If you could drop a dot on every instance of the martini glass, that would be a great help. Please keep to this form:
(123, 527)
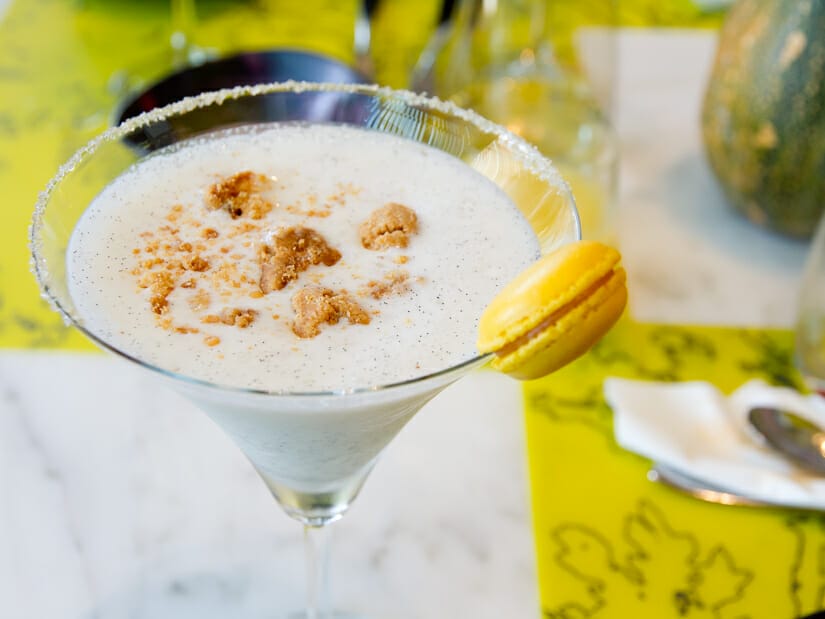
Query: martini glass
(314, 450)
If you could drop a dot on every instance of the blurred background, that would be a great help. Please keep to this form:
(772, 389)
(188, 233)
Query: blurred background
(68, 66)
(613, 91)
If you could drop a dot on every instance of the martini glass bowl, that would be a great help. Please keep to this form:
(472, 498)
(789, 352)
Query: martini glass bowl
(314, 450)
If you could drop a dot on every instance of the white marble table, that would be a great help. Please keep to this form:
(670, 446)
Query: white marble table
(119, 500)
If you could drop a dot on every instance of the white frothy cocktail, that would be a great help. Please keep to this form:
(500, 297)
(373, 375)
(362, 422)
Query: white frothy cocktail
(470, 240)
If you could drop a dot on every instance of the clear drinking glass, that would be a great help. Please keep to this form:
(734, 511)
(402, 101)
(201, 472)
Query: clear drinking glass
(313, 450)
(184, 50)
(181, 52)
(544, 69)
(810, 326)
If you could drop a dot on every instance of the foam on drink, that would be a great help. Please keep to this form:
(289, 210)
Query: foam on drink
(471, 240)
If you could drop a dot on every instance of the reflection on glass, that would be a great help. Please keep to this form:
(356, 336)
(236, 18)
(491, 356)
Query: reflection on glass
(506, 60)
(184, 50)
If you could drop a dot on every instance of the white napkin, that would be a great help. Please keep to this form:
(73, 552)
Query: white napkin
(694, 428)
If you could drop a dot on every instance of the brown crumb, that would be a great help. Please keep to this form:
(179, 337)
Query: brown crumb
(186, 330)
(239, 195)
(199, 301)
(195, 263)
(174, 213)
(211, 340)
(242, 229)
(162, 284)
(159, 304)
(311, 212)
(189, 283)
(232, 316)
(394, 283)
(389, 226)
(401, 259)
(293, 251)
(209, 233)
(237, 317)
(256, 294)
(315, 305)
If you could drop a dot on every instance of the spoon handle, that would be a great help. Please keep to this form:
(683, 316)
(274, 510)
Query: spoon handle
(791, 436)
(698, 489)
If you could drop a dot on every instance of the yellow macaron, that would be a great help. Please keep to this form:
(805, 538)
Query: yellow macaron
(555, 310)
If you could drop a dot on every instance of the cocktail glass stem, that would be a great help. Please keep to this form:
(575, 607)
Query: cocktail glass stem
(316, 549)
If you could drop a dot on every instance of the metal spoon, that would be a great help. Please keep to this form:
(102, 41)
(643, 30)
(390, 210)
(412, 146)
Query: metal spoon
(796, 438)
(663, 474)
(710, 493)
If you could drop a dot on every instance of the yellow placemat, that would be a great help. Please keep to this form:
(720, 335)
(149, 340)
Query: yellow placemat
(613, 545)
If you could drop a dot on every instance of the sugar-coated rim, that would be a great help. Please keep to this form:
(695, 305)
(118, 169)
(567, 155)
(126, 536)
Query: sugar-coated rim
(527, 154)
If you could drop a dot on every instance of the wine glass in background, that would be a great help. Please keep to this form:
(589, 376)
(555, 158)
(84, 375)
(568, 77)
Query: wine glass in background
(184, 50)
(203, 44)
(810, 326)
(179, 52)
(545, 70)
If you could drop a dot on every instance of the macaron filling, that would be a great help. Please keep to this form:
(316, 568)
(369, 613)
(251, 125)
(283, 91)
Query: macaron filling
(552, 318)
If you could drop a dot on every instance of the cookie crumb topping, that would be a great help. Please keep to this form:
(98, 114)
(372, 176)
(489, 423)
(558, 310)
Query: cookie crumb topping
(291, 252)
(213, 265)
(388, 226)
(316, 305)
(394, 283)
(240, 194)
(237, 317)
